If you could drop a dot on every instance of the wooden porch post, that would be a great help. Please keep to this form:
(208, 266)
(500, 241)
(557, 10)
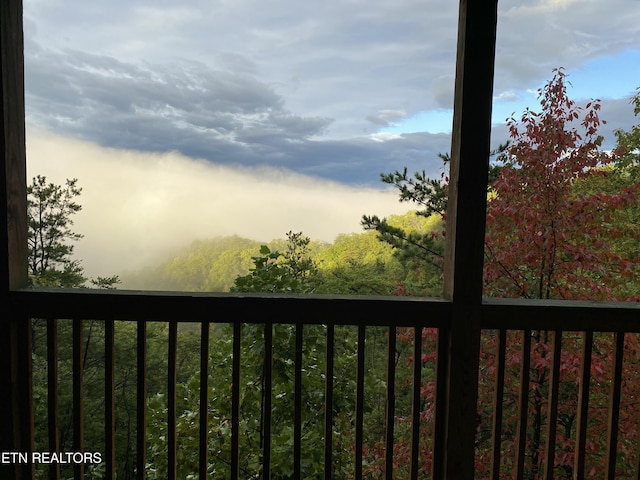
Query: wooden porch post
(466, 227)
(16, 425)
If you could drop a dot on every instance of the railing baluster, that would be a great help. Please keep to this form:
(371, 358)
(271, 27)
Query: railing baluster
(235, 403)
(78, 408)
(391, 398)
(415, 404)
(362, 330)
(614, 406)
(109, 403)
(521, 441)
(141, 400)
(498, 401)
(552, 417)
(204, 400)
(266, 393)
(637, 460)
(328, 404)
(171, 400)
(297, 403)
(439, 439)
(583, 405)
(52, 395)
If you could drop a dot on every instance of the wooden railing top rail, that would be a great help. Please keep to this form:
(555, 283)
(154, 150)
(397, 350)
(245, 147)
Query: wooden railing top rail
(561, 315)
(230, 308)
(325, 309)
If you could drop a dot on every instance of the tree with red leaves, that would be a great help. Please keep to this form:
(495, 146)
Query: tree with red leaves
(544, 238)
(550, 237)
(555, 232)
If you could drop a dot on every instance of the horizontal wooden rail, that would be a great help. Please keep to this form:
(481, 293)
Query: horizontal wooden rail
(195, 307)
(577, 316)
(322, 309)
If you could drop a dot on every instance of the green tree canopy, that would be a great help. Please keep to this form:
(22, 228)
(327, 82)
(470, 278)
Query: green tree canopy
(292, 271)
(50, 208)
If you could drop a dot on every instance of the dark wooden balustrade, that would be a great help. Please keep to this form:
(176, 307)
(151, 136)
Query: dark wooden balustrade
(507, 339)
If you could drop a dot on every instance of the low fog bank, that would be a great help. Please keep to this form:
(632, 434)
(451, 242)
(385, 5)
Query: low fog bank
(138, 207)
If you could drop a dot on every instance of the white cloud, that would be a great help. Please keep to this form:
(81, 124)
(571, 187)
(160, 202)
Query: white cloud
(508, 96)
(543, 7)
(385, 118)
(138, 205)
(384, 137)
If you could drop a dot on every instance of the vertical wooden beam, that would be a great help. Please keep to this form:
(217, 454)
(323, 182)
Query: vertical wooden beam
(16, 417)
(12, 146)
(466, 211)
(470, 150)
(16, 407)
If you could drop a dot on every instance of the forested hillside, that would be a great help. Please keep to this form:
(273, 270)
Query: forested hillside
(204, 265)
(355, 263)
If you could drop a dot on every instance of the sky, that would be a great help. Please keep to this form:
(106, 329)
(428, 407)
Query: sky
(184, 120)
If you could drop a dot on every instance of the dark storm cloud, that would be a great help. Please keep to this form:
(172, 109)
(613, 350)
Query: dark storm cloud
(89, 82)
(361, 161)
(343, 60)
(225, 117)
(302, 85)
